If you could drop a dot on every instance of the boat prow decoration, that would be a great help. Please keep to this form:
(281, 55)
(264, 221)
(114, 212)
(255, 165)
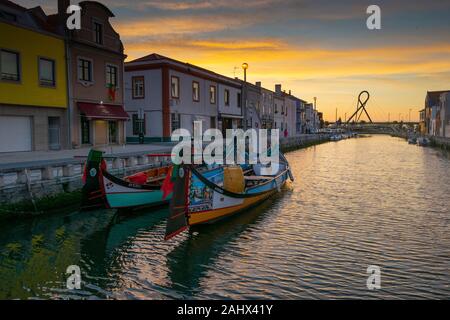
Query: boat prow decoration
(177, 220)
(102, 189)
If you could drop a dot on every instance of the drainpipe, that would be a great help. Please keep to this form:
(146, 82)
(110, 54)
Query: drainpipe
(69, 91)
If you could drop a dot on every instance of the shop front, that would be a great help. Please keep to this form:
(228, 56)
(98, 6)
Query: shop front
(102, 124)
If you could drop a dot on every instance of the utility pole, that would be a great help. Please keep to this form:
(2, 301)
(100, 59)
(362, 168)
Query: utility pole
(389, 117)
(410, 115)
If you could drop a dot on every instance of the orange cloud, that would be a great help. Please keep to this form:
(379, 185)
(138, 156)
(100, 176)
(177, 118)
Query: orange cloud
(397, 76)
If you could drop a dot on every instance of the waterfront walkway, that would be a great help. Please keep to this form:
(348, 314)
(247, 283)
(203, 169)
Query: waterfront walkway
(17, 160)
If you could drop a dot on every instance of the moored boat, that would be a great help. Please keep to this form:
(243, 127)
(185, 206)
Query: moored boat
(101, 189)
(412, 140)
(423, 141)
(200, 198)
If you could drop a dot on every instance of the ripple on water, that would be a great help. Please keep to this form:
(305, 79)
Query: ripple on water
(359, 202)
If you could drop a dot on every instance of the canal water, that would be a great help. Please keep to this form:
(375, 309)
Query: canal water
(373, 201)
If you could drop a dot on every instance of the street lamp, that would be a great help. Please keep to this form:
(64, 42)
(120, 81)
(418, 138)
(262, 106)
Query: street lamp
(244, 96)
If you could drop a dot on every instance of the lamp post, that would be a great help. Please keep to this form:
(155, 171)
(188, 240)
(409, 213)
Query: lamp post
(244, 95)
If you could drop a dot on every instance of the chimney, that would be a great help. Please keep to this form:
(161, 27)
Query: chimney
(278, 88)
(290, 93)
(62, 7)
(258, 83)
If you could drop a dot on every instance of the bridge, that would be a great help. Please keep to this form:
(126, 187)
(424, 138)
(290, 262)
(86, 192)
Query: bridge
(380, 127)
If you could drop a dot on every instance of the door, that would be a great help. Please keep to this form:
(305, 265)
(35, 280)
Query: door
(85, 130)
(15, 134)
(101, 132)
(54, 133)
(112, 132)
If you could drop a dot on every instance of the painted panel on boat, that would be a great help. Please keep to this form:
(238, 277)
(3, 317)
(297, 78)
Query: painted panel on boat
(111, 187)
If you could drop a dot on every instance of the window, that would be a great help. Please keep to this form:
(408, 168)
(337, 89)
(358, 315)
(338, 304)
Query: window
(175, 121)
(195, 91)
(138, 87)
(138, 125)
(175, 85)
(111, 76)
(9, 65)
(47, 72)
(239, 100)
(227, 97)
(212, 94)
(85, 70)
(98, 33)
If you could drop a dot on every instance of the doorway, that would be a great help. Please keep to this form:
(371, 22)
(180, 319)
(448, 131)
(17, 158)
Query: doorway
(112, 125)
(54, 133)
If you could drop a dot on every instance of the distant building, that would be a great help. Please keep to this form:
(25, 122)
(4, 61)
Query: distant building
(279, 109)
(290, 114)
(267, 111)
(422, 127)
(320, 122)
(433, 106)
(309, 118)
(167, 94)
(33, 82)
(254, 105)
(445, 114)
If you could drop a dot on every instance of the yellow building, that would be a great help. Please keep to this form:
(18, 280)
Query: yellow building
(33, 84)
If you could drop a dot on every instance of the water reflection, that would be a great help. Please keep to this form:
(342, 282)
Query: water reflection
(354, 203)
(191, 260)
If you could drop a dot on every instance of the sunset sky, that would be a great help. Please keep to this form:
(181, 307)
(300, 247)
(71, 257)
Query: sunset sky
(315, 48)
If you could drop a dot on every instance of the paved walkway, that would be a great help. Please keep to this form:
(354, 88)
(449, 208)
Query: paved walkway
(17, 160)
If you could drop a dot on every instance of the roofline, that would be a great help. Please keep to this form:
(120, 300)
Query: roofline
(175, 63)
(39, 30)
(111, 14)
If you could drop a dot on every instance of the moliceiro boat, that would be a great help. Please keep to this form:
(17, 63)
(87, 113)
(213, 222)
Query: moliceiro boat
(101, 189)
(206, 196)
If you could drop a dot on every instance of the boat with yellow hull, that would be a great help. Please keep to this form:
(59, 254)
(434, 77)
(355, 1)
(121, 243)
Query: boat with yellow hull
(205, 197)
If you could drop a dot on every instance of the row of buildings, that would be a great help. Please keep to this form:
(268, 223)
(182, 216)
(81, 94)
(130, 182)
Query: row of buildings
(62, 89)
(435, 117)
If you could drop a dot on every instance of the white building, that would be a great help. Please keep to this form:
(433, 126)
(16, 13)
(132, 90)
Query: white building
(445, 114)
(279, 110)
(290, 103)
(163, 94)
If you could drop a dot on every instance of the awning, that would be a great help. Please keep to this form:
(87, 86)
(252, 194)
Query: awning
(231, 116)
(103, 111)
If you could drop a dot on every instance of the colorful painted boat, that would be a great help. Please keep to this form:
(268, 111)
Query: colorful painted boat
(200, 198)
(104, 190)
